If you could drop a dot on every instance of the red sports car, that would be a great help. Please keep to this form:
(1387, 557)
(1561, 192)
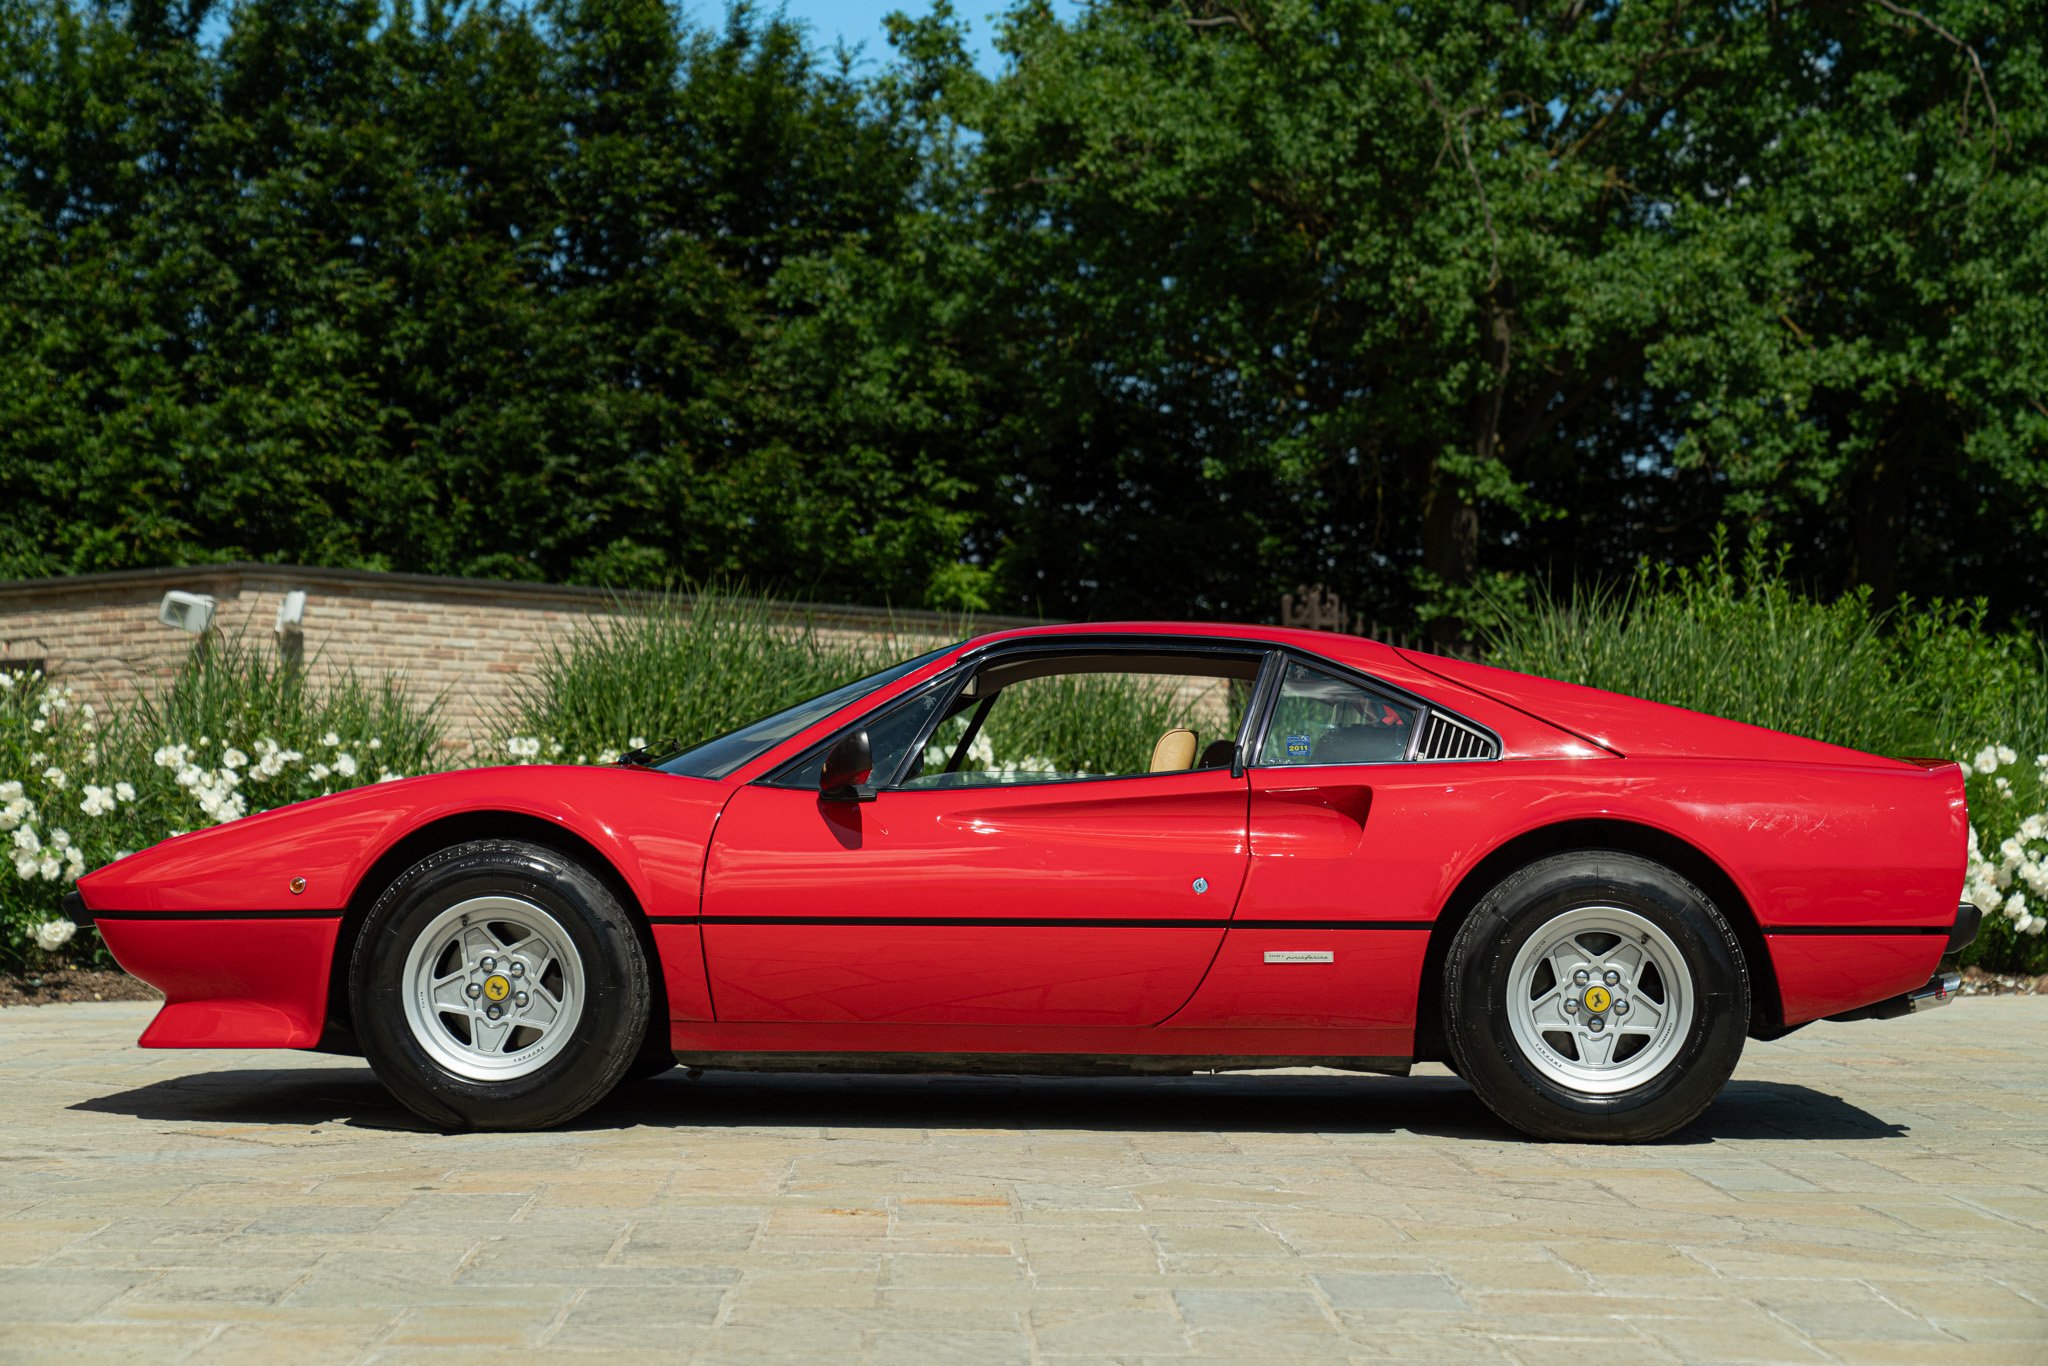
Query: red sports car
(1329, 852)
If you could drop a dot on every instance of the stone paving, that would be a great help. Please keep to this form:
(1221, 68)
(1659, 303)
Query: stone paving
(1868, 1192)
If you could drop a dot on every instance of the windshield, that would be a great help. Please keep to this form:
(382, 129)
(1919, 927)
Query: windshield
(729, 752)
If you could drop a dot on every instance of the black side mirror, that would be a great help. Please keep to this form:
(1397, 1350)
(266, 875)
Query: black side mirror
(847, 767)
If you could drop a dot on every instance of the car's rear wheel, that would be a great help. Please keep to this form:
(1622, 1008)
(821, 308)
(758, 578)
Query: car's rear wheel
(1596, 996)
(499, 985)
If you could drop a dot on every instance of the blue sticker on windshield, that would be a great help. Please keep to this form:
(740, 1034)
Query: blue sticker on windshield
(1298, 747)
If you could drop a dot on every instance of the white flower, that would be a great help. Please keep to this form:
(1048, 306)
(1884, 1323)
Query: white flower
(345, 765)
(60, 839)
(318, 773)
(10, 789)
(1987, 759)
(123, 792)
(2004, 786)
(637, 742)
(2032, 828)
(98, 800)
(25, 840)
(2006, 755)
(50, 868)
(39, 725)
(2016, 906)
(330, 739)
(375, 743)
(607, 756)
(233, 758)
(55, 776)
(52, 935)
(389, 777)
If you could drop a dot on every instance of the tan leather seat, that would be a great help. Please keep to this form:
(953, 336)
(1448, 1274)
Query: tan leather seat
(1175, 751)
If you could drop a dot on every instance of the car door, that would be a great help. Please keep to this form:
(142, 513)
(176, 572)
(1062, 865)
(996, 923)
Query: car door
(1329, 931)
(1094, 902)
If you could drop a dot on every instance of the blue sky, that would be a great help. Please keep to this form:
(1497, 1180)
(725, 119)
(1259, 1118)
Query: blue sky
(854, 22)
(860, 21)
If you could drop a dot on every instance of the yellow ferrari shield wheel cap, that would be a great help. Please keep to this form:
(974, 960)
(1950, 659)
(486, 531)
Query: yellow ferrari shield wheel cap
(498, 988)
(1597, 998)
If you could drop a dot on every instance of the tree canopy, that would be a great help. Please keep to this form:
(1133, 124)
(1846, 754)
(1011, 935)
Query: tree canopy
(1191, 302)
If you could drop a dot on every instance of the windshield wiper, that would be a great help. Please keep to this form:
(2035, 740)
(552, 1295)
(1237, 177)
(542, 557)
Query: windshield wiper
(647, 756)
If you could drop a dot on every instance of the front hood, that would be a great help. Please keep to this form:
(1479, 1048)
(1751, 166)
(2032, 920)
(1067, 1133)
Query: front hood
(259, 862)
(1632, 726)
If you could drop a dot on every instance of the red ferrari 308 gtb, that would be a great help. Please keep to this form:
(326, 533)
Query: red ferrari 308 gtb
(1336, 853)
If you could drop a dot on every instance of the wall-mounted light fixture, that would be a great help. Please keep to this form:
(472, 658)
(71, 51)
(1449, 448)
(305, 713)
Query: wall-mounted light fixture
(187, 611)
(291, 613)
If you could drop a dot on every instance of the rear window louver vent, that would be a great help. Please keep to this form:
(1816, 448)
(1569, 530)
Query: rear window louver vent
(1445, 738)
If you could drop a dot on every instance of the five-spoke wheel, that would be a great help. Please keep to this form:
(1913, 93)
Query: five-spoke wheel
(494, 988)
(1595, 996)
(1600, 999)
(499, 985)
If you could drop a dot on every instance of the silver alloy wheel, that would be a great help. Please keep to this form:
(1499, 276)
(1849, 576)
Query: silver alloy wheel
(1600, 1000)
(493, 988)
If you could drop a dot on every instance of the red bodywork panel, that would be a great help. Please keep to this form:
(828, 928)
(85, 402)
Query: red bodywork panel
(1064, 917)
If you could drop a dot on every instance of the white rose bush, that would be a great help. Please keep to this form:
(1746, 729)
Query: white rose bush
(236, 731)
(2008, 865)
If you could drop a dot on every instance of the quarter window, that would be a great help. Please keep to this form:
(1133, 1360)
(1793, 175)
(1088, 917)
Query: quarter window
(1320, 718)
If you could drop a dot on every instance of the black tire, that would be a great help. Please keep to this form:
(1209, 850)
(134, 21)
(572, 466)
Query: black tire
(607, 1036)
(1475, 999)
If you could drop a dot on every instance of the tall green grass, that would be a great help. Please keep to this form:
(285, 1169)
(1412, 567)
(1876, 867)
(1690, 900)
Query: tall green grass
(1083, 723)
(1734, 637)
(682, 669)
(688, 669)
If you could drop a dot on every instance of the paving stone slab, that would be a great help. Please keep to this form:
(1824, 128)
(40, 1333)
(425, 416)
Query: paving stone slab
(1868, 1192)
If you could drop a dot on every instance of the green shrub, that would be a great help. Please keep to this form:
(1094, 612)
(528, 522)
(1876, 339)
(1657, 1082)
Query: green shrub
(676, 671)
(1080, 723)
(235, 730)
(1738, 640)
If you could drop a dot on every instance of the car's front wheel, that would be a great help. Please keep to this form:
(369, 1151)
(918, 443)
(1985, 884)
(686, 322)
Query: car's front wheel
(1596, 996)
(499, 985)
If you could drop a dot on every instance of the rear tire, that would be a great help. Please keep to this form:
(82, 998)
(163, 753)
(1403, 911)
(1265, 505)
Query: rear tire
(1596, 997)
(499, 985)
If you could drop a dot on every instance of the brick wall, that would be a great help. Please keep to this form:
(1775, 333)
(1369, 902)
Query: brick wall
(466, 641)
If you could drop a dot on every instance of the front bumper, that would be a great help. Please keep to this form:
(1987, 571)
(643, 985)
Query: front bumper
(1941, 988)
(229, 979)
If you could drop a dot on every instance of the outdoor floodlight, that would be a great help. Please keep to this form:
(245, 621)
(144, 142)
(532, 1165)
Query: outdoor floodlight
(291, 613)
(187, 611)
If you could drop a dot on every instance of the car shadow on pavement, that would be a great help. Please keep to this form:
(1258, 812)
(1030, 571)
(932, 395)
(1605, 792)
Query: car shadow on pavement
(1437, 1106)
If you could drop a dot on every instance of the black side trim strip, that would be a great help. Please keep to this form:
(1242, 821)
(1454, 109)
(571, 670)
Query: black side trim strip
(293, 914)
(1024, 1064)
(1857, 929)
(1039, 922)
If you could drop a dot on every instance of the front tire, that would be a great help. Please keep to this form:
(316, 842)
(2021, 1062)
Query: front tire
(1596, 997)
(499, 985)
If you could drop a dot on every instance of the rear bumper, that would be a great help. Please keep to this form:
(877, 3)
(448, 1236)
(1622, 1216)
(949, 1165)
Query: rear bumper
(1940, 989)
(229, 981)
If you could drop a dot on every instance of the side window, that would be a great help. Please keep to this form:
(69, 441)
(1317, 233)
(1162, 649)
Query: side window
(890, 737)
(1322, 719)
(1090, 722)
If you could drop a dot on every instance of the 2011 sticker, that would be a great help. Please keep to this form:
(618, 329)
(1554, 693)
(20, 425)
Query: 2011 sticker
(1299, 746)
